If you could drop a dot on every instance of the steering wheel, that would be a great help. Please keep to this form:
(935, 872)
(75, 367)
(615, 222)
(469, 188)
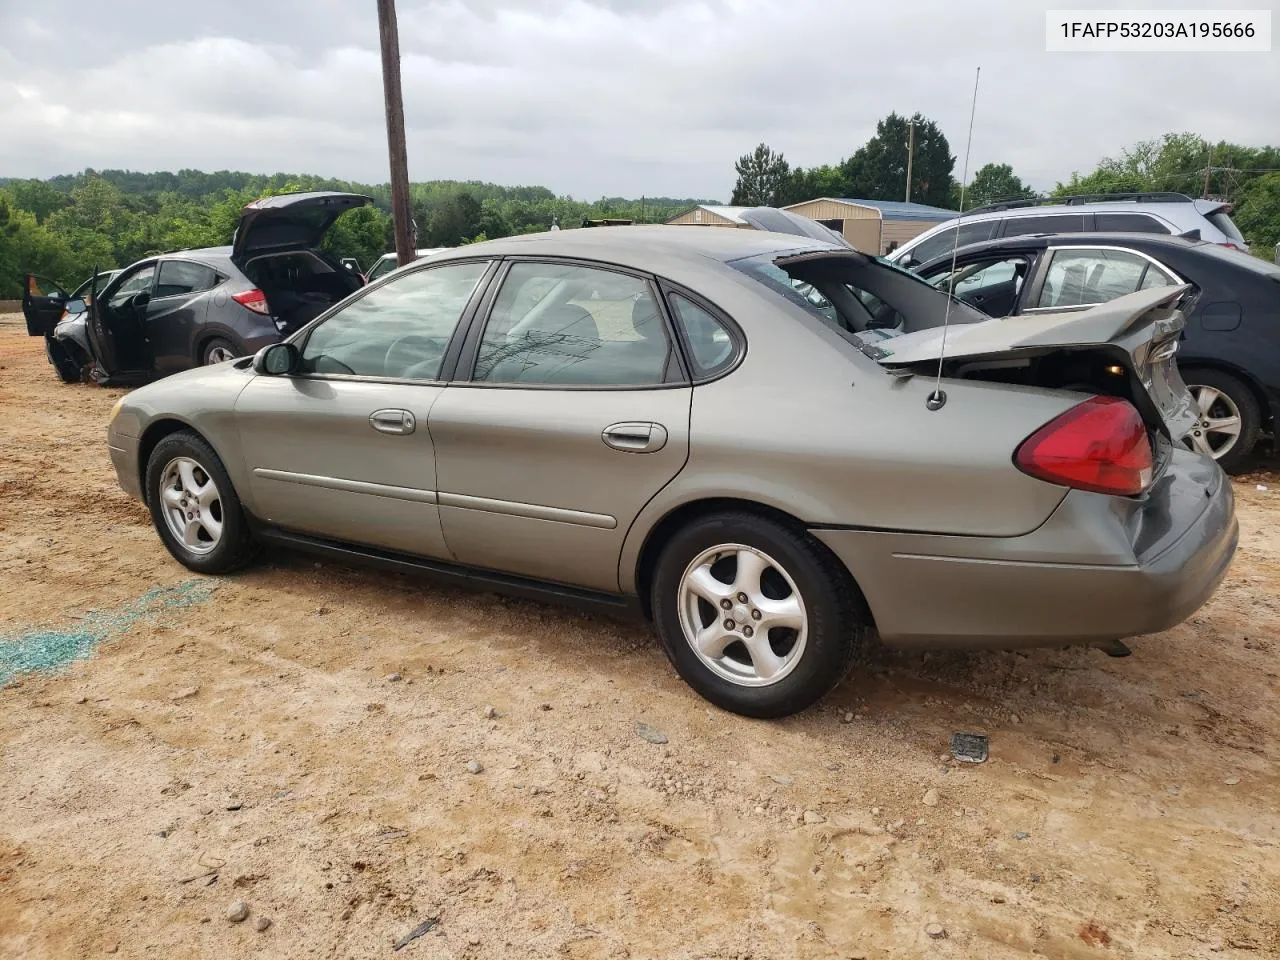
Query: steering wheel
(419, 349)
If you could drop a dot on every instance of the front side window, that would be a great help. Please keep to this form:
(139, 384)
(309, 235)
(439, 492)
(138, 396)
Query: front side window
(137, 282)
(397, 331)
(383, 266)
(570, 325)
(1083, 277)
(182, 278)
(940, 243)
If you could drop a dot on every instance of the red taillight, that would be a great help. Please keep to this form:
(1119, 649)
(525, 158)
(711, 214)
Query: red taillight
(254, 300)
(1230, 246)
(1099, 445)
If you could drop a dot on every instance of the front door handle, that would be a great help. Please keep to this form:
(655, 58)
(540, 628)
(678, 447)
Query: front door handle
(635, 436)
(397, 422)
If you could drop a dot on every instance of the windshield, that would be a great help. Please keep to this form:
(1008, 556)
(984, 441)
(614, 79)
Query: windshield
(860, 298)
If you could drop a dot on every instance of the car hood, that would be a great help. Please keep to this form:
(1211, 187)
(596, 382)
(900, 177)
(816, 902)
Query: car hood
(290, 221)
(1143, 329)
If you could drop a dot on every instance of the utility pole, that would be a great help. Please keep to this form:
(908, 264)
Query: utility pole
(911, 149)
(401, 215)
(1208, 169)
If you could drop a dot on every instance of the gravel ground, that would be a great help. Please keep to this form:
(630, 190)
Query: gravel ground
(342, 756)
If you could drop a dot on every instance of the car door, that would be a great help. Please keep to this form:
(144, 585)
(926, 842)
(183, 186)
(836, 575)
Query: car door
(117, 321)
(570, 412)
(176, 311)
(42, 304)
(1079, 277)
(341, 449)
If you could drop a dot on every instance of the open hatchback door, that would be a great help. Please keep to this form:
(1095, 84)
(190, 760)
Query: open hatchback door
(290, 221)
(1126, 347)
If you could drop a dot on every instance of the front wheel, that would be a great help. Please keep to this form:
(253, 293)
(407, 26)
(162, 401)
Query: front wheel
(194, 507)
(1227, 417)
(756, 616)
(64, 362)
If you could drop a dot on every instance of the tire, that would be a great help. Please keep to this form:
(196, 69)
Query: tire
(64, 362)
(217, 350)
(1227, 398)
(801, 666)
(203, 549)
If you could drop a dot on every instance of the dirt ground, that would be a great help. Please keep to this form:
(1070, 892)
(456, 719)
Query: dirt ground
(298, 737)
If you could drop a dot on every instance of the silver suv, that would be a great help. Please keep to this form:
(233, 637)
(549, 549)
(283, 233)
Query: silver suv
(1168, 213)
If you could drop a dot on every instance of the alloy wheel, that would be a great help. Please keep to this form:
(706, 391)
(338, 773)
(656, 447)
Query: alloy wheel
(1218, 422)
(191, 505)
(742, 615)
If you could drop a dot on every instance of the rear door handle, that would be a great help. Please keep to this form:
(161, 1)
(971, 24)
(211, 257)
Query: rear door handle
(397, 422)
(635, 436)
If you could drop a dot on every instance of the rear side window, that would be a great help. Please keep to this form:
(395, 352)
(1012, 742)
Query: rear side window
(568, 325)
(940, 243)
(1081, 277)
(182, 278)
(710, 342)
(1128, 223)
(1056, 223)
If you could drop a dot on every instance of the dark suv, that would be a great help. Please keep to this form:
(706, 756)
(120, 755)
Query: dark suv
(1229, 354)
(171, 312)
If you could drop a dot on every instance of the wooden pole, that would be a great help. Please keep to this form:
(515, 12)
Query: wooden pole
(401, 215)
(911, 149)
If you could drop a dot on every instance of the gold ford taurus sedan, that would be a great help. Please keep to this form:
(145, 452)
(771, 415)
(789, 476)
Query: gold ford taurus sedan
(770, 445)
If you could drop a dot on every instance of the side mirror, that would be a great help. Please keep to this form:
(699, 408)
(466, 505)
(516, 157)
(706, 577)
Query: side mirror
(277, 360)
(909, 262)
(141, 299)
(74, 307)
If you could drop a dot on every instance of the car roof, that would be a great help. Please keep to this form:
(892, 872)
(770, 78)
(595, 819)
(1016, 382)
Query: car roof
(1038, 241)
(643, 246)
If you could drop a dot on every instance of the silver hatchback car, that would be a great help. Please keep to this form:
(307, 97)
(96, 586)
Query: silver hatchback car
(737, 433)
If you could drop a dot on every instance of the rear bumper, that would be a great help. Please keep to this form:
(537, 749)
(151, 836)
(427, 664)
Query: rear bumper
(1101, 568)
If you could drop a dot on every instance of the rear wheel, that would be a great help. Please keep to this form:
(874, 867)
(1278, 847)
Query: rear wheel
(756, 616)
(218, 350)
(64, 362)
(194, 506)
(1228, 419)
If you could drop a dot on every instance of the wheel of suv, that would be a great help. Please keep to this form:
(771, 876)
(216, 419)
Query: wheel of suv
(64, 363)
(194, 506)
(217, 350)
(1229, 419)
(756, 616)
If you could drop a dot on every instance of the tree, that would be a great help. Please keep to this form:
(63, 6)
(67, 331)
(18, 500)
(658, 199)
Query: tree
(454, 222)
(995, 182)
(1258, 214)
(822, 181)
(762, 178)
(878, 170)
(363, 233)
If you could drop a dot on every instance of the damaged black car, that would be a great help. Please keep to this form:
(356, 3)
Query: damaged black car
(179, 310)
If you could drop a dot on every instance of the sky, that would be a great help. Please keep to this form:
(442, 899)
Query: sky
(588, 97)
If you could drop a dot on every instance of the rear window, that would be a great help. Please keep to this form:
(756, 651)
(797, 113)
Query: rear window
(1221, 220)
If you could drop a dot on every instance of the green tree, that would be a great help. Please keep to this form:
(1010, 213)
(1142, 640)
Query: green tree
(36, 196)
(995, 182)
(453, 222)
(363, 233)
(820, 181)
(762, 178)
(878, 170)
(1258, 214)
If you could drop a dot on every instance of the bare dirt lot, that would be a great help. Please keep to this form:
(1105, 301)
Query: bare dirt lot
(298, 737)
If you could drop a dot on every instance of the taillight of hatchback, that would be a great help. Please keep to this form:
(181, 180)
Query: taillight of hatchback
(1099, 445)
(254, 300)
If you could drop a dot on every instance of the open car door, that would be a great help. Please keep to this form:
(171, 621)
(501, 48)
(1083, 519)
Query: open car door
(42, 304)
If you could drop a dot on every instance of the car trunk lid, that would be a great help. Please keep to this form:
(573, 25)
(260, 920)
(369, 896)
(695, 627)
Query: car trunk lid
(290, 221)
(1137, 333)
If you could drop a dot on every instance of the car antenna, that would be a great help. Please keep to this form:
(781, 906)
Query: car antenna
(938, 398)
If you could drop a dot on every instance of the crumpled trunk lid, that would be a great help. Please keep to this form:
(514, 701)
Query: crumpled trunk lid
(1138, 332)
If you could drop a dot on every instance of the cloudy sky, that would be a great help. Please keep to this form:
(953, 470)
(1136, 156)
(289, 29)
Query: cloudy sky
(588, 97)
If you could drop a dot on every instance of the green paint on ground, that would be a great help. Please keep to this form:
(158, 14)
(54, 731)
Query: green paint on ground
(48, 649)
